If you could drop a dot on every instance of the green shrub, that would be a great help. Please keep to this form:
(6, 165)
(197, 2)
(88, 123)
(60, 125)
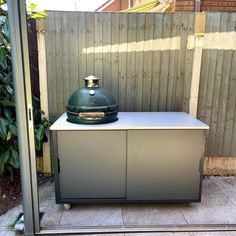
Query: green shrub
(9, 157)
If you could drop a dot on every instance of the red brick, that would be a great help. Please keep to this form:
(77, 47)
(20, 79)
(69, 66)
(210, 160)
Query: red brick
(184, 8)
(205, 8)
(231, 9)
(224, 4)
(217, 9)
(184, 3)
(208, 3)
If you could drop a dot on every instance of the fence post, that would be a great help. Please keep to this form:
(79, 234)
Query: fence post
(199, 31)
(40, 26)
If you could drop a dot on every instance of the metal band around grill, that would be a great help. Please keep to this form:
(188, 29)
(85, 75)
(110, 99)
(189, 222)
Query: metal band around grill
(91, 114)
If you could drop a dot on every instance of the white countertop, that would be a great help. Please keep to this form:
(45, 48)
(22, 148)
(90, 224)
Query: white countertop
(137, 120)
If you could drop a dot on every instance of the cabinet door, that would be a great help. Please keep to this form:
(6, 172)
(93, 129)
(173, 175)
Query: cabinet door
(92, 164)
(164, 164)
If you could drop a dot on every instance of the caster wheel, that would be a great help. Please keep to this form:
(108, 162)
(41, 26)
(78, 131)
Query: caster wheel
(66, 206)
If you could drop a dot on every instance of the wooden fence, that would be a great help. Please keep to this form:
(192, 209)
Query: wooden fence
(217, 94)
(146, 60)
(142, 58)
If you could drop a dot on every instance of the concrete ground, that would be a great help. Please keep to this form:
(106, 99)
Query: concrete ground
(218, 206)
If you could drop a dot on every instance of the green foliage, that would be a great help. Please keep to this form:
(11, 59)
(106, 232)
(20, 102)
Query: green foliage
(34, 13)
(9, 156)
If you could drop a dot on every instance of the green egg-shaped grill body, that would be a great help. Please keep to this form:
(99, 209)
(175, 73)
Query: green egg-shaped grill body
(92, 104)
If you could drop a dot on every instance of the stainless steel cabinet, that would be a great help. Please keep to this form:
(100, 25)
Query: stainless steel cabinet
(141, 157)
(91, 164)
(164, 165)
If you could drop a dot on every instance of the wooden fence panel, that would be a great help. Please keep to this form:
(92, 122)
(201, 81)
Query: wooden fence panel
(217, 95)
(145, 60)
(135, 54)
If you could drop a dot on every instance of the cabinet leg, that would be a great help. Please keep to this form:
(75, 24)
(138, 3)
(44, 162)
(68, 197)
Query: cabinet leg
(66, 206)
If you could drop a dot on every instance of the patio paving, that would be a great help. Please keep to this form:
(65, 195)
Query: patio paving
(218, 206)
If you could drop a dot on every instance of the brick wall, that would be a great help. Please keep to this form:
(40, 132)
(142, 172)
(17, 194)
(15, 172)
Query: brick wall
(220, 5)
(206, 5)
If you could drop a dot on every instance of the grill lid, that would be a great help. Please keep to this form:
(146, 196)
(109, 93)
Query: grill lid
(92, 104)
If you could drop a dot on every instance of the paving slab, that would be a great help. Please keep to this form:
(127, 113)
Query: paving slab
(209, 187)
(52, 213)
(46, 191)
(92, 215)
(232, 198)
(152, 214)
(225, 184)
(213, 209)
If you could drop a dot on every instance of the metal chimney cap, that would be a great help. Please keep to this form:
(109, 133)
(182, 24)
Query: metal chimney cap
(92, 77)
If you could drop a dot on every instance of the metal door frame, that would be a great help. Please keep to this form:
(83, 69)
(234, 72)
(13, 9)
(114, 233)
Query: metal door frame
(24, 112)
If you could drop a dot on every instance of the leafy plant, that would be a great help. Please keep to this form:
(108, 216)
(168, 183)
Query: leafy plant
(9, 157)
(33, 13)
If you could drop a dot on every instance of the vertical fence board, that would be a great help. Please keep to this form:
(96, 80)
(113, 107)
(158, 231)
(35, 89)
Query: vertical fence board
(59, 80)
(65, 58)
(205, 74)
(82, 48)
(115, 55)
(156, 62)
(230, 111)
(51, 70)
(73, 48)
(173, 60)
(123, 62)
(211, 76)
(147, 63)
(181, 63)
(139, 61)
(98, 45)
(90, 43)
(188, 66)
(131, 69)
(106, 56)
(165, 54)
(232, 106)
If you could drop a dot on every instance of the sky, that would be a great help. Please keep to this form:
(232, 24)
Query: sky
(68, 5)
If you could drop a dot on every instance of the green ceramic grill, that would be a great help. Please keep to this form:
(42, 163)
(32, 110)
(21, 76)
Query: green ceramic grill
(92, 104)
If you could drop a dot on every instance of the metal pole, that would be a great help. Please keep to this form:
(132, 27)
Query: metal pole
(24, 114)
